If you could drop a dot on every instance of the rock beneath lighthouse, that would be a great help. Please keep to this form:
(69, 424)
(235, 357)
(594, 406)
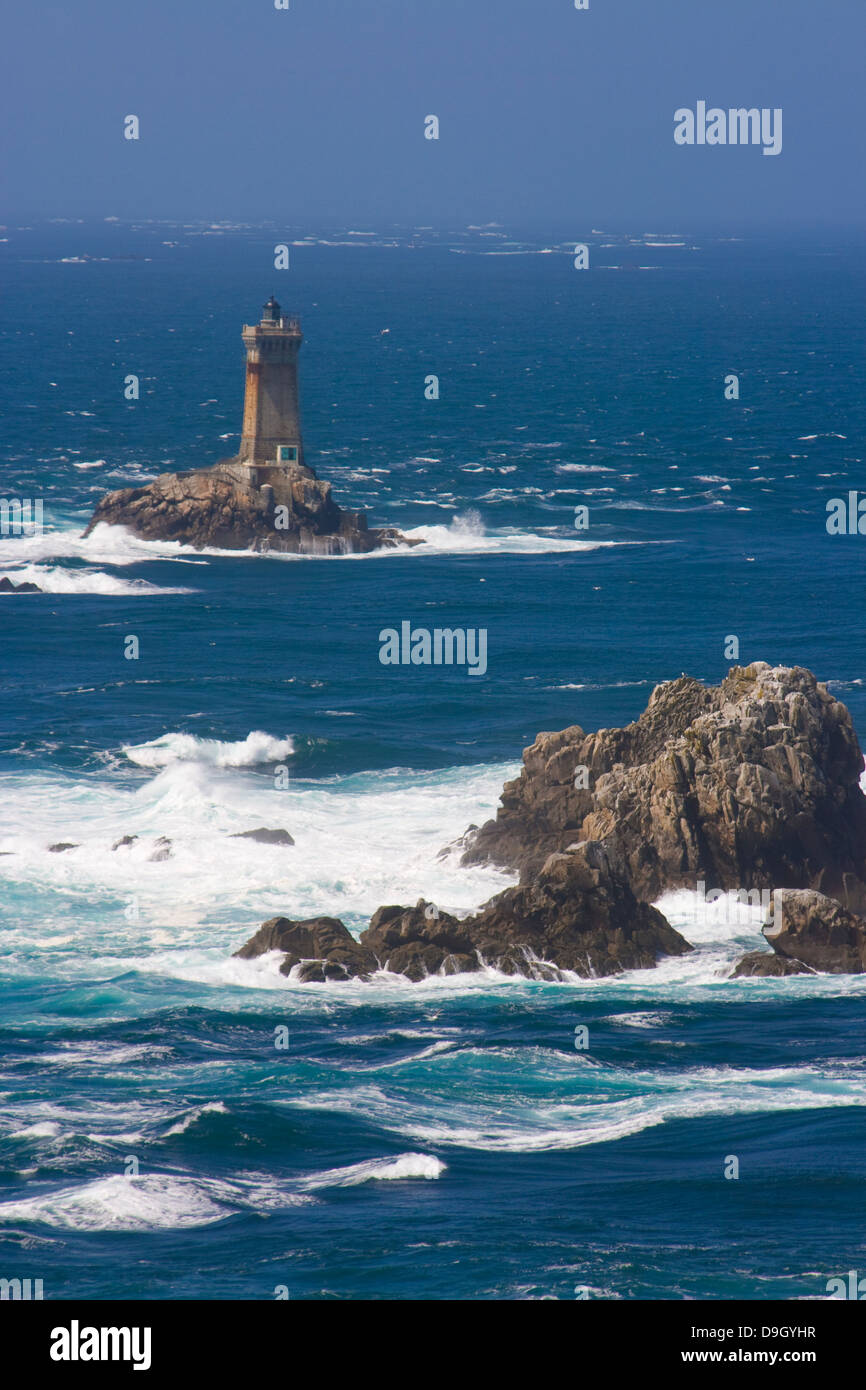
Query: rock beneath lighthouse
(234, 507)
(266, 498)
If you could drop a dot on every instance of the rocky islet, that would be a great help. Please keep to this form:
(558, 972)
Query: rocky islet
(753, 786)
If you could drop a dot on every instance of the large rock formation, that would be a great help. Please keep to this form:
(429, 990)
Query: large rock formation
(750, 784)
(578, 915)
(235, 506)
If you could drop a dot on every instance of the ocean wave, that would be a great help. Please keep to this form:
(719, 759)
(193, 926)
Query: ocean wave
(106, 545)
(251, 751)
(409, 1165)
(57, 580)
(609, 685)
(102, 1054)
(455, 539)
(583, 468)
(641, 1019)
(43, 1129)
(154, 1202)
(115, 545)
(212, 1108)
(529, 1100)
(635, 506)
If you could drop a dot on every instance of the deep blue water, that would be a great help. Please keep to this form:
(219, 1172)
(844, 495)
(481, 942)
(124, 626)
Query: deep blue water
(445, 1139)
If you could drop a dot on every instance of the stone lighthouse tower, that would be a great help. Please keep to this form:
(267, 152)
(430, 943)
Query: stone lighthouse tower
(272, 427)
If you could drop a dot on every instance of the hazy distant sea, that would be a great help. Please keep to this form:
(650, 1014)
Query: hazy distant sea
(444, 1139)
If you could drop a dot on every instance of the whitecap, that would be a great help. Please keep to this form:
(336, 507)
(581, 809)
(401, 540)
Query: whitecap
(57, 580)
(213, 1108)
(408, 1165)
(256, 748)
(118, 1203)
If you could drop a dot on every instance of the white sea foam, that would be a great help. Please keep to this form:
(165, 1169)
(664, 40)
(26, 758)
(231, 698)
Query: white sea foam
(359, 841)
(462, 539)
(589, 685)
(467, 1105)
(114, 545)
(213, 1108)
(409, 1165)
(45, 1129)
(256, 748)
(153, 1202)
(56, 579)
(583, 468)
(118, 1203)
(107, 545)
(641, 1019)
(102, 1054)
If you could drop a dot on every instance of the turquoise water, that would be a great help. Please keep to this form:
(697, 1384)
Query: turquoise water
(443, 1139)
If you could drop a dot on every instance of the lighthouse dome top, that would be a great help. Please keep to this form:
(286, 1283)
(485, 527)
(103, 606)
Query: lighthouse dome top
(271, 312)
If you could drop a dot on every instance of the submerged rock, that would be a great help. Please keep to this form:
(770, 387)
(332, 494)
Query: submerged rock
(766, 963)
(463, 842)
(62, 846)
(264, 837)
(161, 850)
(235, 506)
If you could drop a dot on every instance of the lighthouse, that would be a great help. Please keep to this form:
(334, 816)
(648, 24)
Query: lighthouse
(272, 428)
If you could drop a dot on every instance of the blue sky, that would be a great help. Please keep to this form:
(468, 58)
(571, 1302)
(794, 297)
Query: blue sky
(550, 117)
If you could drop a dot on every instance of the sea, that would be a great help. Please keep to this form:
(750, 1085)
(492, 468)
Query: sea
(177, 1123)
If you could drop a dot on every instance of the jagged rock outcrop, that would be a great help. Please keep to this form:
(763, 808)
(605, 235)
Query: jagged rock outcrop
(321, 947)
(419, 941)
(750, 784)
(813, 932)
(235, 507)
(753, 784)
(578, 915)
(8, 586)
